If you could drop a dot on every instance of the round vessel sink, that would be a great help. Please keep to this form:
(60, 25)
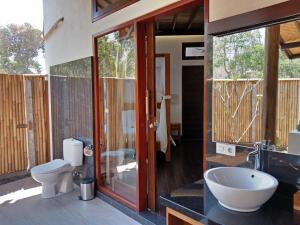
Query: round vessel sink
(240, 189)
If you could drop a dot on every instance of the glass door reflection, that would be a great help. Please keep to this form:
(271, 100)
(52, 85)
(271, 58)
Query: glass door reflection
(117, 87)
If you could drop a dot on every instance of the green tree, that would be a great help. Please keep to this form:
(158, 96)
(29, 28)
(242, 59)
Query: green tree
(116, 55)
(288, 68)
(239, 55)
(19, 48)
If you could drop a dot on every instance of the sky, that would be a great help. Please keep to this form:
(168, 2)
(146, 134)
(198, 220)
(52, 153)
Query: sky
(21, 11)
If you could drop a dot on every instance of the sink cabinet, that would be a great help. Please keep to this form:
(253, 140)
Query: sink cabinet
(177, 218)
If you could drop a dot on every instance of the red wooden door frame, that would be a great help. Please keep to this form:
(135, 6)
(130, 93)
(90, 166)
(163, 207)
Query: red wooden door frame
(141, 154)
(141, 138)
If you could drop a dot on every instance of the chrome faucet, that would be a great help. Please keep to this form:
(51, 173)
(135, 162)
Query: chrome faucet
(258, 146)
(257, 154)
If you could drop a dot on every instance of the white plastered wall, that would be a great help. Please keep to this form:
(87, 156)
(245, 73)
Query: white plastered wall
(173, 46)
(73, 38)
(220, 9)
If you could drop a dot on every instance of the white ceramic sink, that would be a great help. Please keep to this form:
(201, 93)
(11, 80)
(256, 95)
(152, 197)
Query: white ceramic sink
(240, 189)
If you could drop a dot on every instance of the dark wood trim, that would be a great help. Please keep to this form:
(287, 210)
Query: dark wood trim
(179, 32)
(141, 121)
(191, 44)
(287, 51)
(46, 114)
(270, 83)
(296, 56)
(206, 78)
(149, 16)
(275, 14)
(174, 21)
(192, 18)
(295, 44)
(151, 98)
(97, 15)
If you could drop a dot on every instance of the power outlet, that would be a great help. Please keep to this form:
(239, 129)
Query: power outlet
(225, 149)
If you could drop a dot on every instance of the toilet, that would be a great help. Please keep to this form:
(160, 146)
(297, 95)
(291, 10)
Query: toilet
(56, 176)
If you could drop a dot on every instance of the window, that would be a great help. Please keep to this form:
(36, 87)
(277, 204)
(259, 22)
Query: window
(238, 65)
(193, 50)
(102, 8)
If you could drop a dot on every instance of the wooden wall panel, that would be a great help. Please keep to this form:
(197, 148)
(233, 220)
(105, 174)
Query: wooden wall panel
(71, 102)
(13, 143)
(71, 105)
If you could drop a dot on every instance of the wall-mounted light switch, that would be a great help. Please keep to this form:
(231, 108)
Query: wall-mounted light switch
(225, 149)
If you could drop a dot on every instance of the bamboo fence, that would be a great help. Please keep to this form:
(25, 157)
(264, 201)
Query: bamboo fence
(23, 122)
(245, 126)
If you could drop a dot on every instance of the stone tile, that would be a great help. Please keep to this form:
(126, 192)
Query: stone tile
(62, 210)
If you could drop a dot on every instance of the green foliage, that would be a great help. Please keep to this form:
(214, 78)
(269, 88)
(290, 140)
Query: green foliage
(19, 47)
(116, 55)
(288, 68)
(241, 55)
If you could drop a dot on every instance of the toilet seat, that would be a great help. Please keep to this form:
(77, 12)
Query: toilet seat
(57, 165)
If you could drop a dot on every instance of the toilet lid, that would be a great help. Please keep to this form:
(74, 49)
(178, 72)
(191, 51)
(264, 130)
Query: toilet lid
(50, 167)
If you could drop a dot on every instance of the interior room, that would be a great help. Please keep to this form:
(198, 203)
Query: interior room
(179, 77)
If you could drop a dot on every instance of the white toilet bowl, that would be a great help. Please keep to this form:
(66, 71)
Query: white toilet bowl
(55, 177)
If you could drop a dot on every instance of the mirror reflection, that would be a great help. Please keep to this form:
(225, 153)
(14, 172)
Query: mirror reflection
(239, 81)
(117, 107)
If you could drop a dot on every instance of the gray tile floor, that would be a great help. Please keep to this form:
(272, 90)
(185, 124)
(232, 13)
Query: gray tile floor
(62, 210)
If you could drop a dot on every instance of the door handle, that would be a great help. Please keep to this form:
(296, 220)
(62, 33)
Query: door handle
(154, 124)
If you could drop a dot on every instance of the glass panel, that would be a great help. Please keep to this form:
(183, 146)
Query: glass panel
(118, 110)
(238, 63)
(288, 94)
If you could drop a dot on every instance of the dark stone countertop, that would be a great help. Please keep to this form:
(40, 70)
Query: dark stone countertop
(196, 201)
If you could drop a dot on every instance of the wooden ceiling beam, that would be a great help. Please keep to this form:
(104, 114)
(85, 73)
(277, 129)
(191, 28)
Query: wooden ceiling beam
(286, 51)
(297, 56)
(192, 18)
(295, 44)
(298, 25)
(174, 21)
(157, 25)
(171, 32)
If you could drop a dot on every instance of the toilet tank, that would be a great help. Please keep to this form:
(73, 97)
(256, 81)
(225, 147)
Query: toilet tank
(73, 151)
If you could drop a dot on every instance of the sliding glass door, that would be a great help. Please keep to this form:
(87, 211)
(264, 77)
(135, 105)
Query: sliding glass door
(117, 112)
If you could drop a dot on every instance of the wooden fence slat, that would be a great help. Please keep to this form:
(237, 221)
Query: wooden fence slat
(13, 138)
(223, 126)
